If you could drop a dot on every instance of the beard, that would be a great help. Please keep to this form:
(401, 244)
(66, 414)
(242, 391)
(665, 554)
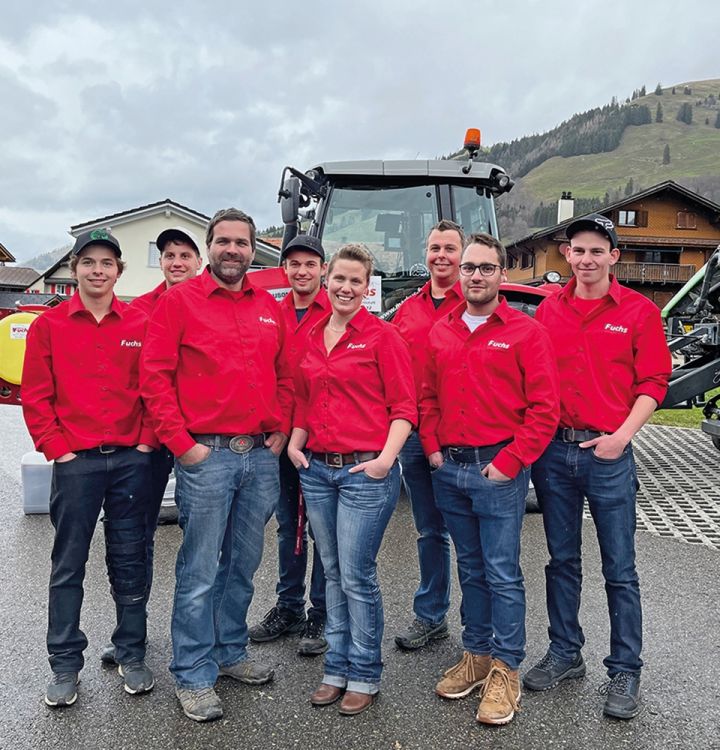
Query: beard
(226, 272)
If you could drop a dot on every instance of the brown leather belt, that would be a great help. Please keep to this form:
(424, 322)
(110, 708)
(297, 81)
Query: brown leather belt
(338, 460)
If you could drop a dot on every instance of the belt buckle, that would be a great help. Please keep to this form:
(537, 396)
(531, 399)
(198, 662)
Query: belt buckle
(106, 452)
(334, 460)
(569, 435)
(241, 444)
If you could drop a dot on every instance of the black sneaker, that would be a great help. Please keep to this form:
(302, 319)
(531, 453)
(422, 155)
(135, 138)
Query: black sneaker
(420, 633)
(623, 695)
(62, 689)
(278, 621)
(107, 655)
(312, 641)
(551, 670)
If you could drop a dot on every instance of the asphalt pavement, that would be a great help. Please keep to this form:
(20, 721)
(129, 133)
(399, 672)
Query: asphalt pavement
(681, 690)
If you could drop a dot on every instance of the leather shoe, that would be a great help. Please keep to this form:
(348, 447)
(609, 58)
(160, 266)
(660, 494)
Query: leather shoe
(355, 703)
(326, 694)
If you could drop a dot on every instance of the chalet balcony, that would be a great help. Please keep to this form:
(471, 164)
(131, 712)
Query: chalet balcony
(653, 273)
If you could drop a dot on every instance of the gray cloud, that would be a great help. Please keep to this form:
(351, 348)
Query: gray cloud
(107, 107)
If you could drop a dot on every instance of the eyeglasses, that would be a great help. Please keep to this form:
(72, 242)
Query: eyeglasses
(486, 269)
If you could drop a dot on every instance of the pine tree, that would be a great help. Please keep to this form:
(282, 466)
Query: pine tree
(717, 120)
(643, 91)
(658, 90)
(666, 154)
(629, 187)
(685, 113)
(673, 90)
(659, 113)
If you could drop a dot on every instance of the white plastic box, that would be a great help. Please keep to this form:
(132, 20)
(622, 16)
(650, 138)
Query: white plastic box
(36, 475)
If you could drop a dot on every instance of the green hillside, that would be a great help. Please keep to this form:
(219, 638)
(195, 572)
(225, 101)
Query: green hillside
(694, 151)
(694, 158)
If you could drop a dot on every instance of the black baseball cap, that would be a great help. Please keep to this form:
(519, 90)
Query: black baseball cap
(176, 233)
(96, 237)
(303, 242)
(593, 223)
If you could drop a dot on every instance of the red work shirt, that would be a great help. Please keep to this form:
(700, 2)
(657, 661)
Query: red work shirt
(80, 379)
(213, 363)
(606, 358)
(495, 384)
(297, 333)
(346, 399)
(414, 319)
(146, 302)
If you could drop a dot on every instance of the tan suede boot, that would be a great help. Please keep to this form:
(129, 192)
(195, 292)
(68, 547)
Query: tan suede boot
(500, 696)
(460, 680)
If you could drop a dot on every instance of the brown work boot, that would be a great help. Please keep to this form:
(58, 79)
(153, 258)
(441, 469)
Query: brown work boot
(500, 696)
(470, 672)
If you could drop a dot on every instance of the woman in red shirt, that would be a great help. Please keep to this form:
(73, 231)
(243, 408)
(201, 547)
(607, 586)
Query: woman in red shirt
(355, 407)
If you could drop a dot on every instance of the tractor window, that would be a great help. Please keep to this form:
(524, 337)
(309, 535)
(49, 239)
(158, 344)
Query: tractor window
(391, 222)
(473, 210)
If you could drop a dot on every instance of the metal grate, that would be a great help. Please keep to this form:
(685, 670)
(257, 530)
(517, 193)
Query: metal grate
(679, 493)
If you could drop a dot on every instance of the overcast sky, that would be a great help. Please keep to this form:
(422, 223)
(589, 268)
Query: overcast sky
(108, 106)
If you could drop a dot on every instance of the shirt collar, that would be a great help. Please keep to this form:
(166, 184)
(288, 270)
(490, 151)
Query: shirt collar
(209, 285)
(75, 305)
(615, 291)
(502, 311)
(320, 300)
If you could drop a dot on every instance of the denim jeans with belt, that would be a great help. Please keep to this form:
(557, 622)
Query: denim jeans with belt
(432, 598)
(290, 587)
(224, 503)
(349, 514)
(485, 518)
(565, 476)
(118, 483)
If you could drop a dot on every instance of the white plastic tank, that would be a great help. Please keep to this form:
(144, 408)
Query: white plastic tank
(36, 475)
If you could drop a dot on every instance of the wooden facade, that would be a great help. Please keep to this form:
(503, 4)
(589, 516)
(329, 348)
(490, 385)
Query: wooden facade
(665, 234)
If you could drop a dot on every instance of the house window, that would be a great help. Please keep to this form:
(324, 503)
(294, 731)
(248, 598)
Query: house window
(65, 290)
(526, 260)
(511, 261)
(153, 256)
(627, 218)
(634, 218)
(686, 220)
(657, 256)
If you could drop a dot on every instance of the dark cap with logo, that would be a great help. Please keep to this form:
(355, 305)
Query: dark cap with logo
(593, 223)
(303, 242)
(176, 233)
(96, 237)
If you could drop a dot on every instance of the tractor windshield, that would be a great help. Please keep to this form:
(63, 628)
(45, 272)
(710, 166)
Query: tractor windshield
(394, 222)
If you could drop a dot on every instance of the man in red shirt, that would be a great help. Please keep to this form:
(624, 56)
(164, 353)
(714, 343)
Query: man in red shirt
(179, 261)
(414, 319)
(81, 403)
(489, 408)
(614, 366)
(219, 390)
(304, 261)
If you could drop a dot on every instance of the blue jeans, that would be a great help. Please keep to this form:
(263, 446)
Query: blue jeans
(432, 598)
(349, 514)
(565, 475)
(485, 518)
(290, 588)
(118, 483)
(224, 503)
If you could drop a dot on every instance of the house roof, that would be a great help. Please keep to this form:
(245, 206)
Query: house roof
(18, 276)
(10, 300)
(667, 185)
(5, 255)
(134, 213)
